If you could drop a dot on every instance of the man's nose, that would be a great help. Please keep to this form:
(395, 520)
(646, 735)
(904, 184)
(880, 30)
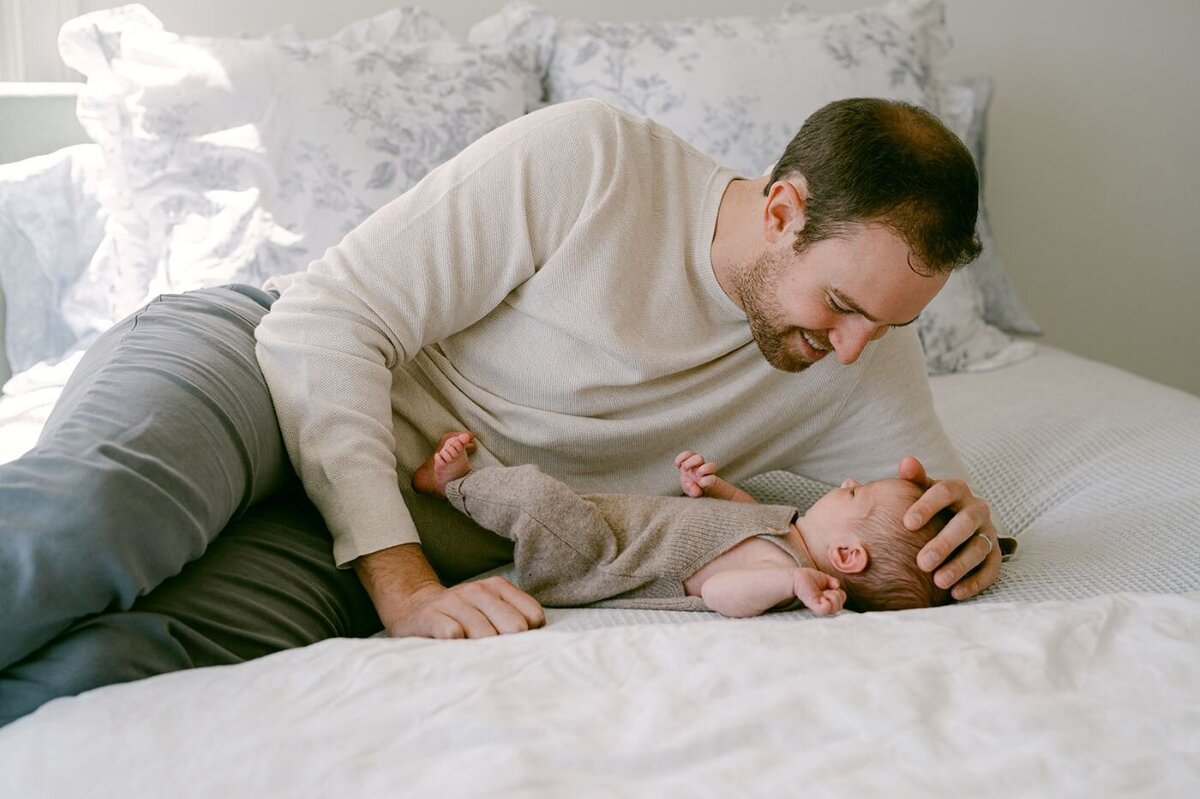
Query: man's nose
(851, 338)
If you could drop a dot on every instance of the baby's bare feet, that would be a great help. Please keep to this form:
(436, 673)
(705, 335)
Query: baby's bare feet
(449, 462)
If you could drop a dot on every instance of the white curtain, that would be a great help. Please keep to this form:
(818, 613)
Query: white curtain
(29, 39)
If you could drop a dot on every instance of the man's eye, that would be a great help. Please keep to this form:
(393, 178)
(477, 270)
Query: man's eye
(833, 306)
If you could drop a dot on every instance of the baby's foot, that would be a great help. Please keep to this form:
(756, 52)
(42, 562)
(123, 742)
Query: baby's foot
(449, 462)
(696, 475)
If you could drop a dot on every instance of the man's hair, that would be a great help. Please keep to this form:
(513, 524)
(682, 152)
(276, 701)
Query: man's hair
(892, 579)
(873, 161)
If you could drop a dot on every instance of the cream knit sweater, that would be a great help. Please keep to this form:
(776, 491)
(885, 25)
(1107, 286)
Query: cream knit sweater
(551, 290)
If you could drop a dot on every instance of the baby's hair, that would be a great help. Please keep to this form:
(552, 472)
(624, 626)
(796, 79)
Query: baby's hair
(892, 579)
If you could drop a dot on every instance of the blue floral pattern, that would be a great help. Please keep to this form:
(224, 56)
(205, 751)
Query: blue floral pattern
(736, 88)
(240, 159)
(954, 329)
(50, 226)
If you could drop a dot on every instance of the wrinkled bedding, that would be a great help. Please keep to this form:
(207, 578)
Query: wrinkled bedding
(1086, 698)
(1075, 674)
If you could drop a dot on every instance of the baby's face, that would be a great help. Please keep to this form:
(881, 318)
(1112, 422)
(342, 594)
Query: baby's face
(830, 517)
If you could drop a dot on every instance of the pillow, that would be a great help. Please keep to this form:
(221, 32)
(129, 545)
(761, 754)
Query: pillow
(965, 109)
(50, 224)
(240, 159)
(680, 72)
(954, 330)
(737, 88)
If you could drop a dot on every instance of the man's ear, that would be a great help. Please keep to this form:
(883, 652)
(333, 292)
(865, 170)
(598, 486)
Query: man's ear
(784, 211)
(848, 557)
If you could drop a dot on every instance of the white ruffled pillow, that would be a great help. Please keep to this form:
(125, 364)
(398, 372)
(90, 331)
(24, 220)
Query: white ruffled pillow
(737, 88)
(239, 159)
(50, 225)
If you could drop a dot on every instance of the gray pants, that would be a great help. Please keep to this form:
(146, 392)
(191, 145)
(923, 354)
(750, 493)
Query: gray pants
(158, 525)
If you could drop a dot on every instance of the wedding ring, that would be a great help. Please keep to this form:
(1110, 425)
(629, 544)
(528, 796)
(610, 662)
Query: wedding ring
(990, 544)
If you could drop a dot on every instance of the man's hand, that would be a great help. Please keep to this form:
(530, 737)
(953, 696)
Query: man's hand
(470, 610)
(411, 602)
(962, 558)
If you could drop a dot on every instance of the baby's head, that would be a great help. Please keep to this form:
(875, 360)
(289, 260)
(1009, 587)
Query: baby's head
(856, 533)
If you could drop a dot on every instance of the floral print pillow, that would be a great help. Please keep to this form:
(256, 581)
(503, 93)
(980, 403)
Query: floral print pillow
(50, 224)
(704, 78)
(737, 88)
(955, 331)
(238, 159)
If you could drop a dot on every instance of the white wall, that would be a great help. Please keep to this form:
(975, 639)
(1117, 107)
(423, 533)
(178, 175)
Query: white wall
(1094, 162)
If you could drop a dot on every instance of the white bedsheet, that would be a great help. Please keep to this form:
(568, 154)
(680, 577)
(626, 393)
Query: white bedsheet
(1048, 684)
(1095, 697)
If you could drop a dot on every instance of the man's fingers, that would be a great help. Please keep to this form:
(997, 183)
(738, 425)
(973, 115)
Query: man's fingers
(913, 470)
(503, 617)
(942, 494)
(473, 620)
(964, 560)
(477, 610)
(528, 607)
(979, 579)
(971, 569)
(443, 626)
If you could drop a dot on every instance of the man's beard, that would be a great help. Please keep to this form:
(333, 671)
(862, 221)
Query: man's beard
(756, 288)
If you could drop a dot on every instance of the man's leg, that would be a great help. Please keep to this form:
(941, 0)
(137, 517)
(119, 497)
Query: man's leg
(266, 584)
(164, 434)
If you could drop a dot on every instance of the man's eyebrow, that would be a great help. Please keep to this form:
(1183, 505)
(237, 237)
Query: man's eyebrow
(854, 306)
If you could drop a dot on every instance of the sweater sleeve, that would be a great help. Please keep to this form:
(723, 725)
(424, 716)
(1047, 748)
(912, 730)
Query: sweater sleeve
(430, 263)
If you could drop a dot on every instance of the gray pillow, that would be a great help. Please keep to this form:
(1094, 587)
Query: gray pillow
(1002, 306)
(955, 332)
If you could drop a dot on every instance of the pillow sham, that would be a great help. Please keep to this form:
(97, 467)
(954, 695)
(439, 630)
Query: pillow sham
(737, 88)
(239, 159)
(679, 72)
(51, 223)
(954, 330)
(965, 107)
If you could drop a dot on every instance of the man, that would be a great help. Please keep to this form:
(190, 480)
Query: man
(575, 289)
(580, 289)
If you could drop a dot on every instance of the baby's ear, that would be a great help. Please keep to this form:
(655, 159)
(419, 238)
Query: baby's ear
(848, 557)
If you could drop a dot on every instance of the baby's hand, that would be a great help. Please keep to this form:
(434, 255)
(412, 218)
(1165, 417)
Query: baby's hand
(696, 475)
(819, 592)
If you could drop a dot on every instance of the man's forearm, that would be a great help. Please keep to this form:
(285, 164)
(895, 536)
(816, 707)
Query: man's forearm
(393, 576)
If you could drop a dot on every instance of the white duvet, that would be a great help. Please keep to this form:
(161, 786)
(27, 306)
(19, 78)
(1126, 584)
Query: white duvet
(1078, 674)
(1097, 697)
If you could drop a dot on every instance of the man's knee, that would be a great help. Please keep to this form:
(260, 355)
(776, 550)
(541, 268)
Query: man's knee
(105, 650)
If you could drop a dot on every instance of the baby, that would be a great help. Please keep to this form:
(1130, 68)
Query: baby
(713, 549)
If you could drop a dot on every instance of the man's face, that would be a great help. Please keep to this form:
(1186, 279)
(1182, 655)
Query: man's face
(838, 295)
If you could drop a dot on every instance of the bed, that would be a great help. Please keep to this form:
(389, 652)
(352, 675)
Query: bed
(1075, 674)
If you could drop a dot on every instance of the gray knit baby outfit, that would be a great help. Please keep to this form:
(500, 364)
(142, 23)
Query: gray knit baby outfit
(613, 550)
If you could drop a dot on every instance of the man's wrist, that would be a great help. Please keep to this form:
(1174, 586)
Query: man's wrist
(394, 577)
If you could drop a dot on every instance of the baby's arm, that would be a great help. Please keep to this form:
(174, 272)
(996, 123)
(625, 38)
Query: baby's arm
(698, 478)
(754, 590)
